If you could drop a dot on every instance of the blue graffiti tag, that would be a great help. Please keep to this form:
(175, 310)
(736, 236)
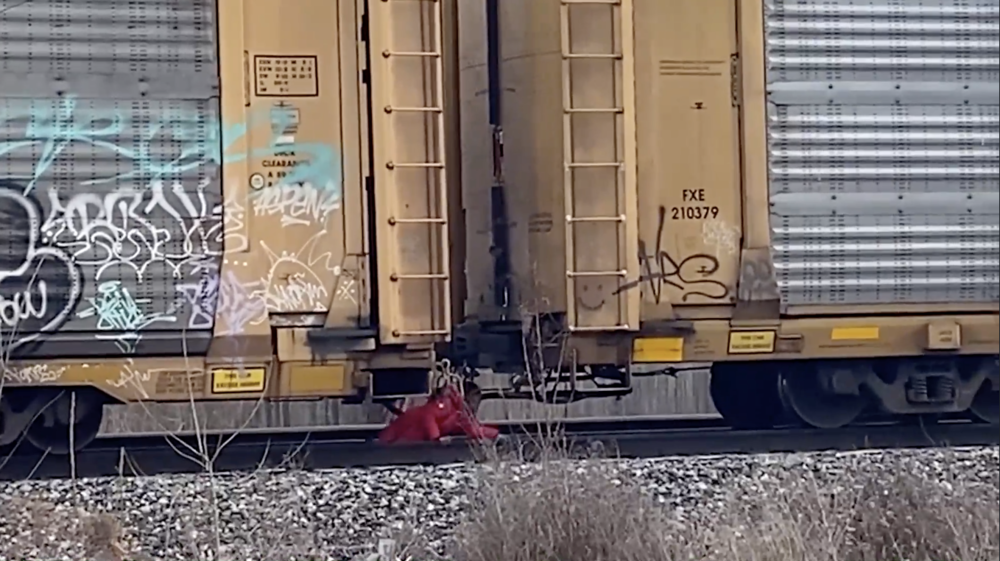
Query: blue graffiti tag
(196, 140)
(116, 310)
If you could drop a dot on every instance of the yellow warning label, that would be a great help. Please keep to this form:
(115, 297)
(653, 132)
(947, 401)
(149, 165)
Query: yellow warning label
(854, 334)
(238, 380)
(751, 342)
(658, 349)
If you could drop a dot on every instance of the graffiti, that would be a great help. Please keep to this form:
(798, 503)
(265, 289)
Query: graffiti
(722, 236)
(133, 377)
(115, 221)
(301, 291)
(233, 222)
(116, 310)
(33, 374)
(39, 285)
(52, 129)
(293, 283)
(201, 298)
(240, 304)
(136, 229)
(691, 274)
(299, 204)
(347, 288)
(757, 278)
(235, 302)
(316, 163)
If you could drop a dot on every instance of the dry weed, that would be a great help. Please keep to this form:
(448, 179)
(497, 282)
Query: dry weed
(862, 518)
(561, 511)
(36, 525)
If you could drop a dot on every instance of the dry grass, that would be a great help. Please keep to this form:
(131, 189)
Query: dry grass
(561, 513)
(35, 525)
(557, 511)
(862, 517)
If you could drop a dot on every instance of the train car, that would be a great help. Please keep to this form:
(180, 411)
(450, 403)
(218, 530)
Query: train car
(803, 193)
(221, 200)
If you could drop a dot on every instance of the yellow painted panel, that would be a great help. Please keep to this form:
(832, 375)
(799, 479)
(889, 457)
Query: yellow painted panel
(854, 334)
(238, 380)
(690, 214)
(751, 342)
(658, 349)
(313, 379)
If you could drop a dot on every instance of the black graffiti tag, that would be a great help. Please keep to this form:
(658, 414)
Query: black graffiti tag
(690, 274)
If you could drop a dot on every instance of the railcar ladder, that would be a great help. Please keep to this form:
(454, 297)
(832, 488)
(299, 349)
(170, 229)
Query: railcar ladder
(437, 262)
(624, 192)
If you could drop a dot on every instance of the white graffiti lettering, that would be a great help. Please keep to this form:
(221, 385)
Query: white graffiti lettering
(33, 374)
(133, 377)
(294, 282)
(301, 291)
(134, 229)
(723, 237)
(32, 303)
(39, 286)
(233, 223)
(297, 204)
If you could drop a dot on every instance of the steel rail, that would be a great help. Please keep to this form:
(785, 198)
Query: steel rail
(125, 456)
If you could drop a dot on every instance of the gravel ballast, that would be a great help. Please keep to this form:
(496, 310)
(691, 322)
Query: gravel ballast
(340, 515)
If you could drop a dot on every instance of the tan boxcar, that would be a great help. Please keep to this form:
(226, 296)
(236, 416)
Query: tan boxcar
(223, 199)
(772, 186)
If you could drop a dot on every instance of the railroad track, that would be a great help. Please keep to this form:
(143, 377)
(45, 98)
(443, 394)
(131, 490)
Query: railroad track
(138, 455)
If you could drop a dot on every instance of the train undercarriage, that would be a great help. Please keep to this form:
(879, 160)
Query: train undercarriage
(748, 395)
(832, 394)
(50, 419)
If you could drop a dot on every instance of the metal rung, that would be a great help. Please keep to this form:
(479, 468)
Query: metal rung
(595, 164)
(593, 56)
(421, 276)
(422, 333)
(433, 319)
(596, 273)
(419, 54)
(391, 109)
(619, 23)
(394, 221)
(619, 218)
(623, 327)
(614, 110)
(425, 165)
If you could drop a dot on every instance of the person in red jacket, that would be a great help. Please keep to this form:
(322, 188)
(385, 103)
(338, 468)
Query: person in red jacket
(446, 413)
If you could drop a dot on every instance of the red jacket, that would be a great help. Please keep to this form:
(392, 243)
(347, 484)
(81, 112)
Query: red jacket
(444, 414)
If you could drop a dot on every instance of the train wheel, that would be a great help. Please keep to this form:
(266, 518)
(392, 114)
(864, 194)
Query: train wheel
(746, 395)
(60, 418)
(805, 395)
(18, 407)
(7, 434)
(986, 405)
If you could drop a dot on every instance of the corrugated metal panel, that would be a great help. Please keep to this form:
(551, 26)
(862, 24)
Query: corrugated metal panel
(109, 155)
(884, 135)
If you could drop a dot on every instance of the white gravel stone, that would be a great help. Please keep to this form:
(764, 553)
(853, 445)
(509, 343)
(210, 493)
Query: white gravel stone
(340, 515)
